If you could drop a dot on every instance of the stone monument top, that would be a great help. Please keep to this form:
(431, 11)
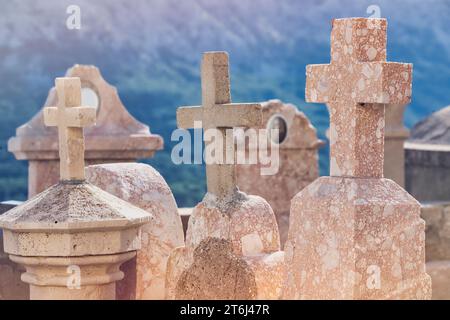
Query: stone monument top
(117, 134)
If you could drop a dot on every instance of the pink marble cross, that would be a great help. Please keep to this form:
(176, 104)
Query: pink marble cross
(356, 86)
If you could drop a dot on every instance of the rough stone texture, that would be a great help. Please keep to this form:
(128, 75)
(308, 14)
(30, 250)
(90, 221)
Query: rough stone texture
(241, 243)
(437, 250)
(394, 153)
(142, 186)
(355, 235)
(298, 163)
(427, 158)
(117, 136)
(41, 226)
(227, 277)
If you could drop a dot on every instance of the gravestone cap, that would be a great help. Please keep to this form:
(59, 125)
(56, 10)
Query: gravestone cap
(433, 130)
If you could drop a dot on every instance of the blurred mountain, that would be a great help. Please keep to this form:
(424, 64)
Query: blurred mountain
(151, 51)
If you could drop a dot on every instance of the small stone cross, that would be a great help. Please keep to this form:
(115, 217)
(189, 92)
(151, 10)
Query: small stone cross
(218, 112)
(356, 86)
(70, 118)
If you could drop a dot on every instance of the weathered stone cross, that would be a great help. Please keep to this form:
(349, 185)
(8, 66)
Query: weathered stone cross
(70, 118)
(217, 112)
(356, 86)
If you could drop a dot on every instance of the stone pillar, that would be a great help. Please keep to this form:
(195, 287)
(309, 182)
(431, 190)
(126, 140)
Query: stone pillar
(55, 278)
(232, 245)
(117, 136)
(298, 161)
(354, 234)
(72, 237)
(394, 153)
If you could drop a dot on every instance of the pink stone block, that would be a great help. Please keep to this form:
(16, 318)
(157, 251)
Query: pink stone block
(356, 239)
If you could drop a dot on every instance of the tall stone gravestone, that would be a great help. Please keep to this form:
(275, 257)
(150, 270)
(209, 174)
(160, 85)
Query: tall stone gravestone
(297, 144)
(117, 137)
(232, 243)
(73, 237)
(354, 234)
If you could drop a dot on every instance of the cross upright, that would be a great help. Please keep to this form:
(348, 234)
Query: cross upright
(70, 118)
(217, 112)
(357, 85)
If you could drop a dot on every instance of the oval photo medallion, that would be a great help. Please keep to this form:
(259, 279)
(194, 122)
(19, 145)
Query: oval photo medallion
(277, 122)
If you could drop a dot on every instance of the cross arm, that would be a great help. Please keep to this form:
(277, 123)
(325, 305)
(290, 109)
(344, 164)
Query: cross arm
(186, 116)
(221, 115)
(74, 116)
(318, 83)
(384, 82)
(235, 115)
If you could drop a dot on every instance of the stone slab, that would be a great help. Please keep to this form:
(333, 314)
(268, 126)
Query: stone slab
(142, 186)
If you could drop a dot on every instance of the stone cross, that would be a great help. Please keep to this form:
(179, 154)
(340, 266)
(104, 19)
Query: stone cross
(70, 118)
(356, 86)
(217, 112)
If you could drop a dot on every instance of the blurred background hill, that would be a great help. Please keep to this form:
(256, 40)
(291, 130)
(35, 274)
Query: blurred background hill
(151, 50)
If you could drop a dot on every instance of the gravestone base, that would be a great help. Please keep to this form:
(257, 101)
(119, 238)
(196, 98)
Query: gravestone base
(232, 252)
(49, 277)
(142, 186)
(356, 238)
